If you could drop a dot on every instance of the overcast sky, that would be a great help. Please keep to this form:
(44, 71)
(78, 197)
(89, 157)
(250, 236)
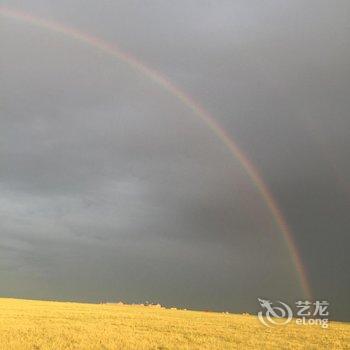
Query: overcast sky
(111, 189)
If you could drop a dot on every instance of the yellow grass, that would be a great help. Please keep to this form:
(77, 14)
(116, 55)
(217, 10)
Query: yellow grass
(26, 324)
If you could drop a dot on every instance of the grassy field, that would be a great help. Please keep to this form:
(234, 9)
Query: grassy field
(26, 324)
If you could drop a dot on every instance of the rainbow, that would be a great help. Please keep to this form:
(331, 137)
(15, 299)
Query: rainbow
(194, 106)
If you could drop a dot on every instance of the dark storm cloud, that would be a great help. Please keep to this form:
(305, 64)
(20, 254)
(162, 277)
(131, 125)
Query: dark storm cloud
(111, 188)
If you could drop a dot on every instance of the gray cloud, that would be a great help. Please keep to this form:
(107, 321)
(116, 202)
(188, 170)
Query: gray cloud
(111, 188)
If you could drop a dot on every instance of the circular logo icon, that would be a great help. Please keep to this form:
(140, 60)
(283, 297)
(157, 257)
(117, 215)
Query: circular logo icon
(274, 315)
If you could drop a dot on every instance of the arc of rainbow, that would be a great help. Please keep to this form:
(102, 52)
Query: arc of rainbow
(194, 106)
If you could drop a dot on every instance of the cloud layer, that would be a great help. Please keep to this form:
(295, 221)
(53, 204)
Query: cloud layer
(112, 189)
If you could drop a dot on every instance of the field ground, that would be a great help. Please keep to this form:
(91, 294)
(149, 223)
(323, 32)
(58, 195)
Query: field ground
(27, 324)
